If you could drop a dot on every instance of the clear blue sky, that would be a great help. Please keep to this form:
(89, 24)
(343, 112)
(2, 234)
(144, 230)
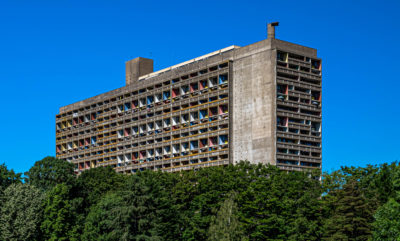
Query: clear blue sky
(54, 53)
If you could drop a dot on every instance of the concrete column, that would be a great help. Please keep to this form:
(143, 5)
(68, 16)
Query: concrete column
(271, 30)
(137, 67)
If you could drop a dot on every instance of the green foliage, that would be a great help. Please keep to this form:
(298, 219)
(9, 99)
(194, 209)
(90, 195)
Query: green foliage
(50, 171)
(234, 202)
(396, 181)
(375, 185)
(260, 191)
(162, 211)
(376, 182)
(352, 215)
(21, 213)
(58, 217)
(387, 218)
(226, 226)
(281, 206)
(94, 183)
(387, 222)
(8, 177)
(143, 210)
(106, 220)
(90, 187)
(199, 194)
(148, 206)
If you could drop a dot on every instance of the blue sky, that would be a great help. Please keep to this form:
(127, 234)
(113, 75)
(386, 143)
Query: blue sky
(54, 53)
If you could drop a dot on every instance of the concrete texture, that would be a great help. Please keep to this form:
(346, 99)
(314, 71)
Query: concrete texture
(253, 110)
(137, 67)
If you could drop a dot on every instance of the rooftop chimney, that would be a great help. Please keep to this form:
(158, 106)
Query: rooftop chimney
(271, 29)
(136, 68)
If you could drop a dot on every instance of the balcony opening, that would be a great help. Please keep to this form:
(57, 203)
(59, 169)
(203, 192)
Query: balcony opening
(316, 64)
(223, 65)
(203, 84)
(295, 56)
(281, 56)
(213, 68)
(203, 71)
(194, 87)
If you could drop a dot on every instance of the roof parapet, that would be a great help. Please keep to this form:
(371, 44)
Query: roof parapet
(188, 62)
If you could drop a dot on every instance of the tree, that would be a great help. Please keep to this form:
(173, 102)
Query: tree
(8, 177)
(50, 171)
(376, 182)
(90, 187)
(94, 183)
(304, 194)
(199, 194)
(226, 226)
(166, 223)
(150, 207)
(384, 183)
(396, 182)
(143, 210)
(279, 205)
(387, 218)
(387, 222)
(352, 215)
(21, 213)
(58, 217)
(106, 220)
(122, 215)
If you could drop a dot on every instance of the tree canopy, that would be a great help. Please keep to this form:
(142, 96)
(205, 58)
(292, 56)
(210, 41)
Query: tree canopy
(8, 177)
(50, 171)
(21, 213)
(234, 202)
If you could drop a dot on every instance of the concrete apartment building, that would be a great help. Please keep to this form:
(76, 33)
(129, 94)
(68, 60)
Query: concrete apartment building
(260, 103)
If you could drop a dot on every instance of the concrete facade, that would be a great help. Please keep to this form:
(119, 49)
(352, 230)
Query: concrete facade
(252, 115)
(260, 103)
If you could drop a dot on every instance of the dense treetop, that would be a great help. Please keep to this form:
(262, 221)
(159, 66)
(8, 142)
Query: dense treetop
(235, 202)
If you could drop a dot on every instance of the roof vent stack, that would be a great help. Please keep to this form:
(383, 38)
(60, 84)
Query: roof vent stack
(271, 30)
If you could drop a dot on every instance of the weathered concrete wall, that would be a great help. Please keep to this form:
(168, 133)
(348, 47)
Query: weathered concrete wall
(253, 109)
(137, 67)
(293, 48)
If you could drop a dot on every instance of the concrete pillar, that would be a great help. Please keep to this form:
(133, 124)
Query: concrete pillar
(137, 67)
(271, 30)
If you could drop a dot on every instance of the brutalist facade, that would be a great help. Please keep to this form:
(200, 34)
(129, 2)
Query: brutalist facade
(260, 103)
